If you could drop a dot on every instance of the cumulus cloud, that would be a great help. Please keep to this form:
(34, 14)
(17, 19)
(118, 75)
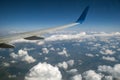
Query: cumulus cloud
(89, 55)
(12, 61)
(46, 58)
(44, 71)
(1, 57)
(70, 62)
(77, 77)
(108, 78)
(114, 71)
(66, 64)
(40, 42)
(45, 50)
(12, 76)
(97, 45)
(107, 52)
(63, 65)
(52, 49)
(105, 68)
(73, 71)
(23, 55)
(118, 49)
(92, 75)
(108, 58)
(5, 64)
(57, 49)
(63, 52)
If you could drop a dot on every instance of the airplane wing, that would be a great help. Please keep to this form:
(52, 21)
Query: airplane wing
(4, 41)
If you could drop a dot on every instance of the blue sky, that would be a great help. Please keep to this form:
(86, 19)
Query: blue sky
(27, 15)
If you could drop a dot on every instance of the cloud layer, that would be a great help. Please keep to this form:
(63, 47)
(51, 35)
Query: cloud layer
(103, 47)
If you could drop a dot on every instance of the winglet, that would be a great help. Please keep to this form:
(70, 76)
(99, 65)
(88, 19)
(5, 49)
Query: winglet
(83, 15)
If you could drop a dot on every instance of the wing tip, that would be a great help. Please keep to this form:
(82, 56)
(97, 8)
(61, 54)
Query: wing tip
(83, 15)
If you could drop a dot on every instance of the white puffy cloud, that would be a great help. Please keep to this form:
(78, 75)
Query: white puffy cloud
(40, 54)
(77, 77)
(63, 52)
(108, 58)
(92, 75)
(1, 57)
(23, 55)
(105, 68)
(89, 55)
(45, 50)
(73, 71)
(63, 65)
(44, 71)
(57, 49)
(12, 61)
(5, 64)
(52, 49)
(46, 58)
(11, 76)
(40, 42)
(114, 71)
(80, 62)
(108, 78)
(118, 49)
(66, 64)
(107, 51)
(70, 62)
(97, 45)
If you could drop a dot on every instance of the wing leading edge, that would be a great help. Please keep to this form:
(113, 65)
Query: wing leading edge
(32, 35)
